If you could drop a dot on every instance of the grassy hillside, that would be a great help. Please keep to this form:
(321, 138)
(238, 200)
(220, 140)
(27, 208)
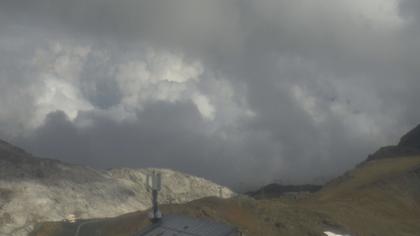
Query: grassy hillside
(371, 174)
(381, 197)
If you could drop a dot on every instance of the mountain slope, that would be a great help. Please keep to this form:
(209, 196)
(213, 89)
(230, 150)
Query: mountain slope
(392, 168)
(380, 196)
(34, 190)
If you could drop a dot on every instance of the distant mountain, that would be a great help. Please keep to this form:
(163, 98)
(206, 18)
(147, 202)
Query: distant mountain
(35, 189)
(277, 190)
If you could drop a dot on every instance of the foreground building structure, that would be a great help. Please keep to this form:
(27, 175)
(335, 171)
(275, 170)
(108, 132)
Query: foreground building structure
(179, 225)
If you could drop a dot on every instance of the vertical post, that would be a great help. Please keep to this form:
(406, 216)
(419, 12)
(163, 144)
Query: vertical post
(153, 183)
(155, 204)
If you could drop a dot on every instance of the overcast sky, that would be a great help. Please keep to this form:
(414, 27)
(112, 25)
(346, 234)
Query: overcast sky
(237, 91)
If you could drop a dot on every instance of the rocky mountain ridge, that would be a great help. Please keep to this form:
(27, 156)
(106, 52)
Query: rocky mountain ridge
(35, 189)
(409, 145)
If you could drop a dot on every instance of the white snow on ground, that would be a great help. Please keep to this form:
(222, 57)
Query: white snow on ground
(328, 233)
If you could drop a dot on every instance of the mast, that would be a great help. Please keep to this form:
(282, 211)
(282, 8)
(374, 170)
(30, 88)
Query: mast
(153, 183)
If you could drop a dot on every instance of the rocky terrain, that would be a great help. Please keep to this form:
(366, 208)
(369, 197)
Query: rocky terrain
(381, 196)
(409, 145)
(33, 190)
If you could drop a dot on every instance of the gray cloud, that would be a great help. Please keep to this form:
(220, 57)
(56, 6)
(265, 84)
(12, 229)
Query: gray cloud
(165, 135)
(235, 91)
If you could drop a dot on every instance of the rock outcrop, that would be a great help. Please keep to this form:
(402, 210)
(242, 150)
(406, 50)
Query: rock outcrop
(34, 190)
(411, 139)
(409, 145)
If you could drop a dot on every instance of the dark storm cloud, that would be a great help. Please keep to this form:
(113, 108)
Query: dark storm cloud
(296, 90)
(410, 8)
(98, 84)
(165, 135)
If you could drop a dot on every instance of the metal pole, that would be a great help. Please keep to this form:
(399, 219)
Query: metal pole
(155, 204)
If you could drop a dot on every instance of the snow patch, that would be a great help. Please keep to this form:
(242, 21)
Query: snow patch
(328, 233)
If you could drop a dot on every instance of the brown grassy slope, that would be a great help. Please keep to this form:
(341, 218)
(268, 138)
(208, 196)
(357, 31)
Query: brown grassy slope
(367, 175)
(381, 197)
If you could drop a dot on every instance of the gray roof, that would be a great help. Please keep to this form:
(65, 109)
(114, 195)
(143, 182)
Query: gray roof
(175, 225)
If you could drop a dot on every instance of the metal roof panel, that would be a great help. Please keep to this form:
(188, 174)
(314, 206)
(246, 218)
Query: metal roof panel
(175, 225)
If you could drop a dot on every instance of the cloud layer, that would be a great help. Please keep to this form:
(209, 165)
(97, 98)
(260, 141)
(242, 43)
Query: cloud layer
(240, 92)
